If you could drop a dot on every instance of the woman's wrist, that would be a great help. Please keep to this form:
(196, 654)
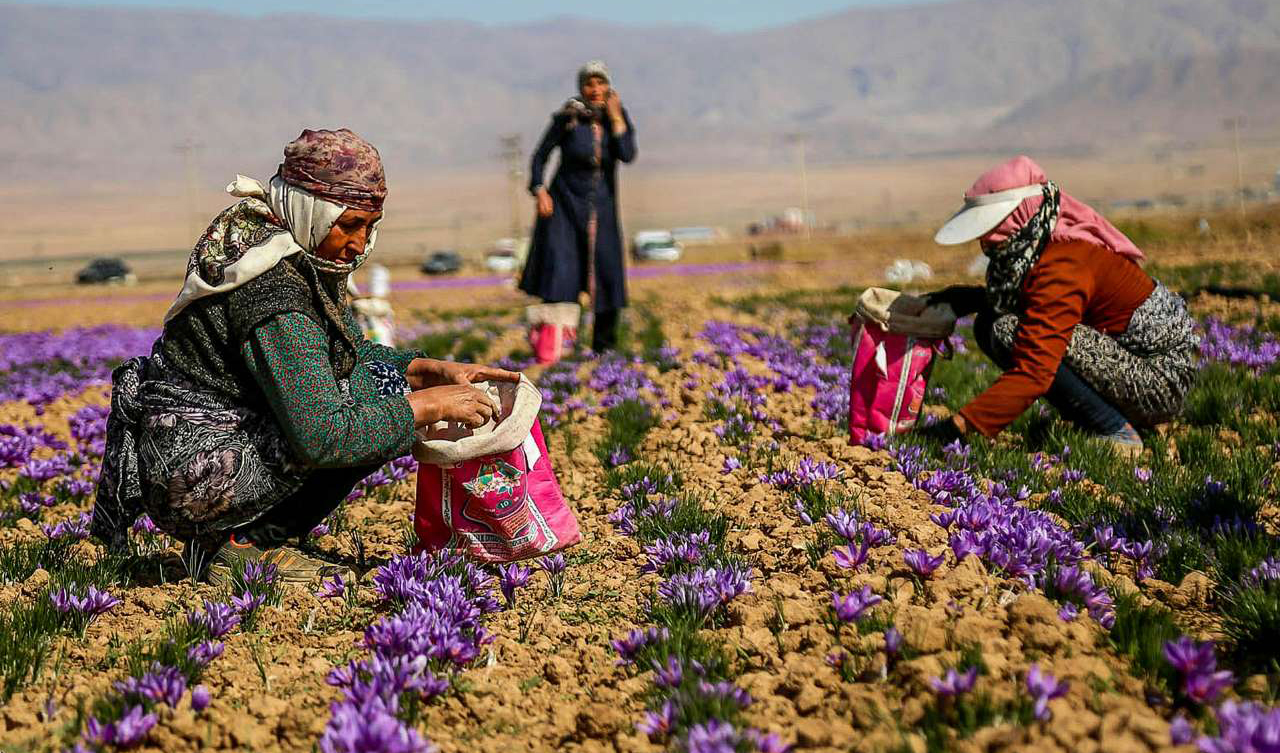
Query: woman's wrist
(619, 125)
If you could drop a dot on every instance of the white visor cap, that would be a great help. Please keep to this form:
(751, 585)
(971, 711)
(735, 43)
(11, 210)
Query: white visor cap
(981, 214)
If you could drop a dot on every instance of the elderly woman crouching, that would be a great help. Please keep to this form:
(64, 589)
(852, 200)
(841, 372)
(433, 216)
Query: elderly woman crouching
(262, 404)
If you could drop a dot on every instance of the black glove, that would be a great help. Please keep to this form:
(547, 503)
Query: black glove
(943, 430)
(963, 299)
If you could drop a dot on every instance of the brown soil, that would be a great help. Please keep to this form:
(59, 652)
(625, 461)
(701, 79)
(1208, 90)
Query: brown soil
(548, 681)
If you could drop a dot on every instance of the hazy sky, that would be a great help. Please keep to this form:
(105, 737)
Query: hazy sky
(726, 15)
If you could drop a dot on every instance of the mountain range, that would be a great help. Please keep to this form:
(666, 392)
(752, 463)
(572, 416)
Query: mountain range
(108, 94)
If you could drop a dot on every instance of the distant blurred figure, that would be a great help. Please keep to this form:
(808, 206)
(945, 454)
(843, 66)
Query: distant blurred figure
(577, 244)
(373, 310)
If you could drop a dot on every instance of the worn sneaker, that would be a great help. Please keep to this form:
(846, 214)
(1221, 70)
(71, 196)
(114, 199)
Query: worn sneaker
(292, 566)
(1125, 441)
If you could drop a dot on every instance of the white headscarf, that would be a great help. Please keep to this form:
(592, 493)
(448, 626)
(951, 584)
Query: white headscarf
(309, 220)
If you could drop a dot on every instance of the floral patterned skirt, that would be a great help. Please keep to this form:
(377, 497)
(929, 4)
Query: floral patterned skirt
(198, 464)
(1146, 371)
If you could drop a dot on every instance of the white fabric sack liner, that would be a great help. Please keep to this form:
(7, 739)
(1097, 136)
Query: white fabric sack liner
(905, 314)
(446, 444)
(560, 314)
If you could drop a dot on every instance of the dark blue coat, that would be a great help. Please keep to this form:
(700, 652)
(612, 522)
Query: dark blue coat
(556, 270)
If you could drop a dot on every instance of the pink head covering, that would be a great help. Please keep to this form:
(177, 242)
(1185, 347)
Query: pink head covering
(1076, 220)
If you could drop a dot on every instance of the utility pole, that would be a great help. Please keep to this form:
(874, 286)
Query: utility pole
(187, 148)
(1235, 123)
(513, 157)
(800, 140)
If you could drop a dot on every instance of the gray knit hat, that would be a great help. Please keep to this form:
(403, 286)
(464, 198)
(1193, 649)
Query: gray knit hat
(591, 69)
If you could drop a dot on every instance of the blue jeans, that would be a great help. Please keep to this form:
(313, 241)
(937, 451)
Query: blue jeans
(1073, 397)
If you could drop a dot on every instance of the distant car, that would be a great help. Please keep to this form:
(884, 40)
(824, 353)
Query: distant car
(501, 261)
(105, 270)
(442, 263)
(655, 245)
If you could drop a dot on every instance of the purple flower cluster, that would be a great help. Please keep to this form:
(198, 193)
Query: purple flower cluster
(704, 591)
(82, 607)
(439, 602)
(40, 367)
(75, 528)
(1043, 688)
(630, 646)
(1244, 727)
(679, 548)
(126, 732)
(1243, 345)
(953, 684)
(1020, 542)
(1202, 681)
(853, 607)
(807, 473)
(160, 684)
(1268, 570)
(619, 379)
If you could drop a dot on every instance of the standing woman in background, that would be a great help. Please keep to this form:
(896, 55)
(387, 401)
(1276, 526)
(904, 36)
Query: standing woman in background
(577, 243)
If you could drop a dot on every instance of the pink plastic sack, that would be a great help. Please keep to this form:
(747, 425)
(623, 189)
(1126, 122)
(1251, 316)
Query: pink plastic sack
(891, 368)
(492, 495)
(550, 342)
(553, 328)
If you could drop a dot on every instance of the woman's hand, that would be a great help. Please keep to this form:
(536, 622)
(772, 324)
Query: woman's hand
(963, 299)
(458, 403)
(613, 108)
(430, 372)
(947, 430)
(546, 207)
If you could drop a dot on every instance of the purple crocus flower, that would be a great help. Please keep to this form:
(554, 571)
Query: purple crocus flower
(668, 675)
(160, 684)
(200, 698)
(1068, 612)
(954, 684)
(1044, 687)
(333, 588)
(217, 618)
(712, 736)
(553, 564)
(631, 645)
(205, 652)
(731, 464)
(850, 558)
(1204, 687)
(125, 732)
(1181, 731)
(248, 602)
(511, 577)
(892, 641)
(921, 563)
(844, 523)
(369, 727)
(1244, 727)
(853, 607)
(658, 724)
(1190, 657)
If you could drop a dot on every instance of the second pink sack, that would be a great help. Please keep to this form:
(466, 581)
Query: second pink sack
(491, 494)
(553, 328)
(895, 340)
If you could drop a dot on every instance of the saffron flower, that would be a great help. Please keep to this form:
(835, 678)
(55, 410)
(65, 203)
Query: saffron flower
(511, 577)
(921, 563)
(852, 607)
(1044, 687)
(850, 558)
(954, 683)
